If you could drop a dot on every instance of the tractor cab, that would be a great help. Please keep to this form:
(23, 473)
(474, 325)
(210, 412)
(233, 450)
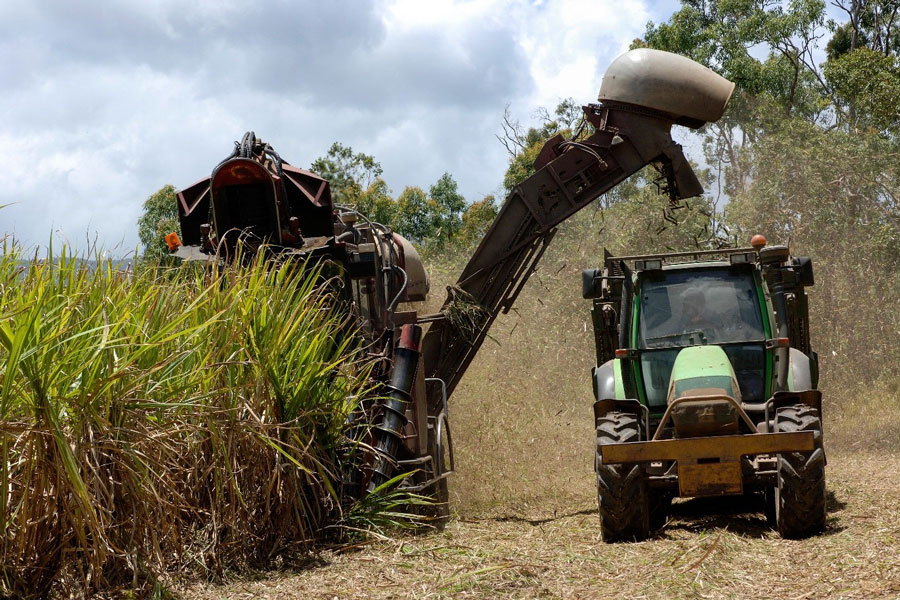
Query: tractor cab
(648, 309)
(714, 304)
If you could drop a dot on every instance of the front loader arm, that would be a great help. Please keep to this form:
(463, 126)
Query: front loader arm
(569, 176)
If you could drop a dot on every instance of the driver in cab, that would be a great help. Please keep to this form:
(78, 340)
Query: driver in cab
(694, 317)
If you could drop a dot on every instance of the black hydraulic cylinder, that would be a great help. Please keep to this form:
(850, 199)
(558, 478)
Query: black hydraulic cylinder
(389, 433)
(773, 260)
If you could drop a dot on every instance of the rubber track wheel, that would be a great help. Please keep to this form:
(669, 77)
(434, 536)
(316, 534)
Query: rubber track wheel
(800, 496)
(621, 489)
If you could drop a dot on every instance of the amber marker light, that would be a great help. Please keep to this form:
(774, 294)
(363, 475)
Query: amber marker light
(172, 241)
(758, 242)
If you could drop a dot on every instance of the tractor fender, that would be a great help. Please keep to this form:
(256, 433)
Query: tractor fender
(609, 395)
(605, 380)
(800, 373)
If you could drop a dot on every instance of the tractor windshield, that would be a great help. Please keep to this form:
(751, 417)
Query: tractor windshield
(688, 308)
(700, 306)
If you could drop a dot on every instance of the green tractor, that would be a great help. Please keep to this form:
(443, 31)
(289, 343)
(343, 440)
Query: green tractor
(705, 386)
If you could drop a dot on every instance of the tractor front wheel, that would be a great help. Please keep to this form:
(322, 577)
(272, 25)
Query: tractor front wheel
(621, 489)
(800, 492)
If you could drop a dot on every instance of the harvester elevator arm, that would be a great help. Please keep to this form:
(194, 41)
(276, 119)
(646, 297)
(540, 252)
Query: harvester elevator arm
(644, 92)
(569, 176)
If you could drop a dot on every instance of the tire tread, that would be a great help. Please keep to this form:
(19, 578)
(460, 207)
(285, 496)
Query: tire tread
(800, 496)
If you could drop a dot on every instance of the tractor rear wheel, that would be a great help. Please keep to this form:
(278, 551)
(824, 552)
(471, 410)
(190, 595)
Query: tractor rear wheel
(800, 492)
(621, 489)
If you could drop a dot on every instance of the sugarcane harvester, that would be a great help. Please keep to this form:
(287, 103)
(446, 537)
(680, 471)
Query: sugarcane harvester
(254, 201)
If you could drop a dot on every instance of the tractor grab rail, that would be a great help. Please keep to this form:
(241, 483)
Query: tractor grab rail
(688, 399)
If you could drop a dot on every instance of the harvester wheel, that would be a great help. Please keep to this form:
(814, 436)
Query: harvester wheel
(439, 492)
(621, 489)
(800, 492)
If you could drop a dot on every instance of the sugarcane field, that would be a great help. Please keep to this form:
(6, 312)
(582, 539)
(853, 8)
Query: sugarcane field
(459, 299)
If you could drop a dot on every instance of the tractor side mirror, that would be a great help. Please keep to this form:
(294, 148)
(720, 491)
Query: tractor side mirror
(804, 269)
(590, 283)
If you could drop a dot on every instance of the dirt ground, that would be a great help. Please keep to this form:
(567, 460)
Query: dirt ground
(708, 549)
(526, 523)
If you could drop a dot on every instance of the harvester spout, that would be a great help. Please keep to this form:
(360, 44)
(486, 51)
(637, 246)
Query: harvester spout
(686, 92)
(689, 93)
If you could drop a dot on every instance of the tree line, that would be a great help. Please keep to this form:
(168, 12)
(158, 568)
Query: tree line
(807, 153)
(432, 219)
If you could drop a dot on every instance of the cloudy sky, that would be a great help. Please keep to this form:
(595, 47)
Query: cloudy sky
(103, 103)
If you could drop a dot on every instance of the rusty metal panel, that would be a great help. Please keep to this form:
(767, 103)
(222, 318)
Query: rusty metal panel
(724, 447)
(710, 479)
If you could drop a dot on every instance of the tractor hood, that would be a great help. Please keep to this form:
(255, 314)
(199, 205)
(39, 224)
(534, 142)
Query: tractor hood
(701, 385)
(691, 93)
(702, 369)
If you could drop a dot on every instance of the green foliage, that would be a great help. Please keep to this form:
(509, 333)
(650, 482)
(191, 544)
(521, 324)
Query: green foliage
(447, 206)
(841, 41)
(521, 166)
(387, 507)
(355, 180)
(854, 87)
(525, 145)
(348, 172)
(376, 202)
(477, 219)
(833, 195)
(866, 85)
(820, 186)
(726, 35)
(159, 218)
(415, 215)
(875, 23)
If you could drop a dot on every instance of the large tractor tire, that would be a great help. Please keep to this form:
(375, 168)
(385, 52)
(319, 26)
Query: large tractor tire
(621, 489)
(800, 492)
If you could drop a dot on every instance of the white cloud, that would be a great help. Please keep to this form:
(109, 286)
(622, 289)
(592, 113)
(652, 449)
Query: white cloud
(100, 108)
